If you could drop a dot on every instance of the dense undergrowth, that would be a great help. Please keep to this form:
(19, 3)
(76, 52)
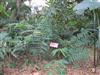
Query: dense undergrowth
(25, 39)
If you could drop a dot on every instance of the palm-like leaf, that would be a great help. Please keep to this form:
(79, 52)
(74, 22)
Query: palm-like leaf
(86, 4)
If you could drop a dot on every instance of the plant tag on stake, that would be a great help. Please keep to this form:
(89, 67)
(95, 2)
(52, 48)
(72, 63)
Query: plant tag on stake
(54, 45)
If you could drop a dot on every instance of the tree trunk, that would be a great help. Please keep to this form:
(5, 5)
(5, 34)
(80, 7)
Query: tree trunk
(98, 51)
(98, 28)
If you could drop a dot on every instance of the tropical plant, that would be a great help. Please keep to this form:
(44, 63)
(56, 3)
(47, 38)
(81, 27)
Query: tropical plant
(25, 36)
(94, 7)
(32, 33)
(74, 49)
(55, 67)
(86, 4)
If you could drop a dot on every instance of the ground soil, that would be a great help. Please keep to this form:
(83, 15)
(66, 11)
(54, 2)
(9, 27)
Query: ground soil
(85, 68)
(29, 70)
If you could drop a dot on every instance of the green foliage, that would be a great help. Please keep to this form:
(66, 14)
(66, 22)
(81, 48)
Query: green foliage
(59, 11)
(24, 36)
(33, 34)
(55, 67)
(3, 12)
(74, 49)
(3, 38)
(49, 73)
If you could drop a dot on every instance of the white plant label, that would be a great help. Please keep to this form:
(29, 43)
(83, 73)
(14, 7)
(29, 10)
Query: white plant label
(54, 45)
